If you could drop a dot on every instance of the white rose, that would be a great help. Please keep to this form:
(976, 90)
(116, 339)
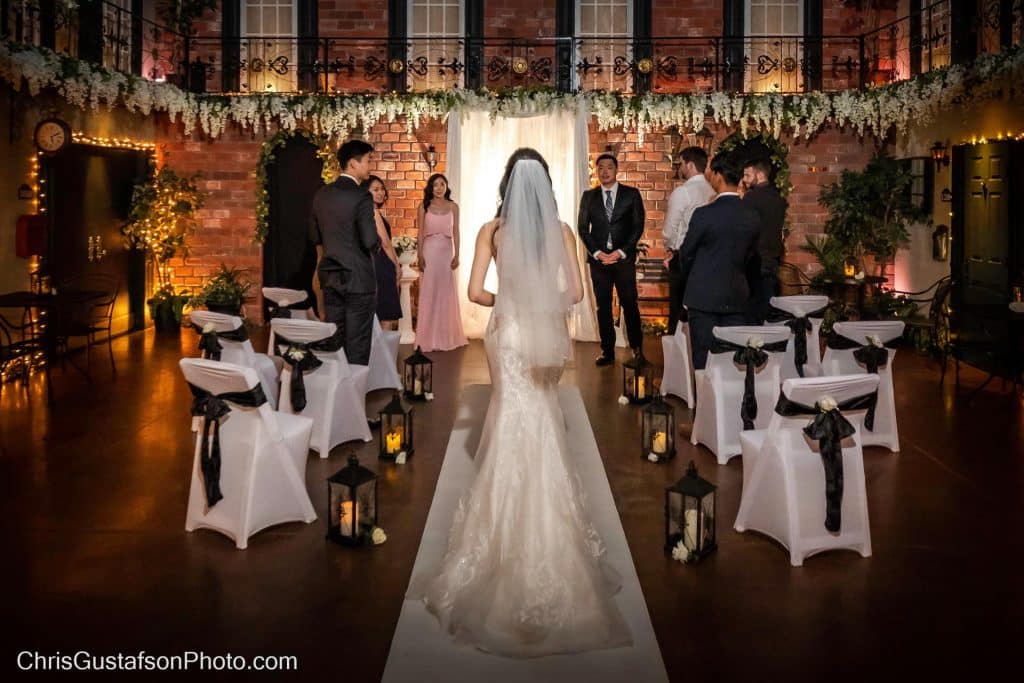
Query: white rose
(296, 354)
(623, 400)
(429, 396)
(798, 312)
(653, 457)
(755, 342)
(827, 403)
(400, 458)
(378, 536)
(875, 340)
(859, 275)
(208, 328)
(681, 553)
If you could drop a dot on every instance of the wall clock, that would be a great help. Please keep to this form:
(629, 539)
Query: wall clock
(52, 135)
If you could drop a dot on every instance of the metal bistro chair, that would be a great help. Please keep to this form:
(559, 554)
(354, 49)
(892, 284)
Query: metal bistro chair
(90, 318)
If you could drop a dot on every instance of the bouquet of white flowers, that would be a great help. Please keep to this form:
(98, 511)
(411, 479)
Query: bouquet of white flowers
(403, 244)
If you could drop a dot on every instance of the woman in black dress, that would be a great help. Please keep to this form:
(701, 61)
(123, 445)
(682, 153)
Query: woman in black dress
(389, 308)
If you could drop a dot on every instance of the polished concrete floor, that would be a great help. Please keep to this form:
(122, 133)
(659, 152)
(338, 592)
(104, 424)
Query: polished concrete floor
(95, 489)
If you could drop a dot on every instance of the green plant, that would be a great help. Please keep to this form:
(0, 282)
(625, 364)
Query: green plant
(227, 287)
(870, 210)
(166, 306)
(830, 253)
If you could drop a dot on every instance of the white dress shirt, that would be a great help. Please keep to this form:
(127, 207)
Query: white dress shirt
(614, 189)
(683, 201)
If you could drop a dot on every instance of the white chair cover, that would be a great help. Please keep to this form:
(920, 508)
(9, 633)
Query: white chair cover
(677, 378)
(717, 423)
(800, 305)
(285, 297)
(242, 353)
(335, 391)
(383, 368)
(842, 362)
(784, 479)
(263, 460)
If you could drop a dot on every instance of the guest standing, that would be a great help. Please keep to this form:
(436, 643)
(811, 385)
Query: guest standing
(438, 323)
(684, 200)
(719, 259)
(764, 198)
(385, 261)
(345, 234)
(611, 222)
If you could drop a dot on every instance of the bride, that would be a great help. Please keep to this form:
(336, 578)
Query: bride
(524, 574)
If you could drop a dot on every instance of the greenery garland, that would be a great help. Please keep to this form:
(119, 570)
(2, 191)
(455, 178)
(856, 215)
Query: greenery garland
(266, 157)
(777, 154)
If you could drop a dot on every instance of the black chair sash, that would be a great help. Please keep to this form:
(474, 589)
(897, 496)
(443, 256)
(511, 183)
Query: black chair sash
(873, 357)
(276, 310)
(209, 342)
(300, 356)
(829, 428)
(800, 325)
(212, 407)
(753, 358)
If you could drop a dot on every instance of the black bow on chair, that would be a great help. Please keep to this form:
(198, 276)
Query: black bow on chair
(212, 407)
(829, 428)
(276, 310)
(801, 326)
(873, 357)
(209, 342)
(753, 358)
(300, 356)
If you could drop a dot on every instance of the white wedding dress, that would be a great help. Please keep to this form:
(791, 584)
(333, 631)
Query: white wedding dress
(524, 574)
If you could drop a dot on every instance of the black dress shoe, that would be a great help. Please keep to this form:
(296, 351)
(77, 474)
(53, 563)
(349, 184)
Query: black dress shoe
(604, 359)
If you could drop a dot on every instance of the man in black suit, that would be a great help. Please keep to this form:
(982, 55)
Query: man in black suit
(719, 259)
(764, 198)
(611, 222)
(341, 226)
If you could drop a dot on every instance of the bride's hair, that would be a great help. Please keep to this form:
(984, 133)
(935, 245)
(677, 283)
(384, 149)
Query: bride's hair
(518, 155)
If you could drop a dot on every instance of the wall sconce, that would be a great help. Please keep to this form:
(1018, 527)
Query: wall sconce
(947, 194)
(705, 139)
(939, 155)
(431, 156)
(26, 193)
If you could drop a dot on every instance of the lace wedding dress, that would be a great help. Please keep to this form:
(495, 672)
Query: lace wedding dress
(524, 574)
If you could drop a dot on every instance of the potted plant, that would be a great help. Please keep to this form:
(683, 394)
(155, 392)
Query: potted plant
(161, 217)
(224, 292)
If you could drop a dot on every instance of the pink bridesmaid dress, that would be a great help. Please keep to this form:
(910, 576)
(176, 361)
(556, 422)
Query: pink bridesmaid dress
(439, 324)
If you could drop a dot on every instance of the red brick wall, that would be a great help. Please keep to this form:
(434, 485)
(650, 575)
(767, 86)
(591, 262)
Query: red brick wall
(353, 17)
(523, 18)
(686, 18)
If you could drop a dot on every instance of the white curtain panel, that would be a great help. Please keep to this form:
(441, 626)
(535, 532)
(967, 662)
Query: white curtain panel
(478, 148)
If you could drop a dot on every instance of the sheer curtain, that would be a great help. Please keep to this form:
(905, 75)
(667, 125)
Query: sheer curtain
(478, 148)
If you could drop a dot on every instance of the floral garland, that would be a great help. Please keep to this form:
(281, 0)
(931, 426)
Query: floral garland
(266, 157)
(777, 155)
(875, 111)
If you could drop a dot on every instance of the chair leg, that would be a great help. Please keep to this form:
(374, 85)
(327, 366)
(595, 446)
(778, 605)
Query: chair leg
(110, 351)
(942, 376)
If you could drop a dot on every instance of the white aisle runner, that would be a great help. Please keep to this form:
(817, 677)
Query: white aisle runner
(421, 651)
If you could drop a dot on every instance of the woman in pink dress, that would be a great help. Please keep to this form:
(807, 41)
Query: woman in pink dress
(439, 324)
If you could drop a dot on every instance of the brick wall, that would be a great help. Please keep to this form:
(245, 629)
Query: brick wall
(524, 18)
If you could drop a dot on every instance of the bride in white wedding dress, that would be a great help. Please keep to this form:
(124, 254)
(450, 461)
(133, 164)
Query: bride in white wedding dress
(525, 574)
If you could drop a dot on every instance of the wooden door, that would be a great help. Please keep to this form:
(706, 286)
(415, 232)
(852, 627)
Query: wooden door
(986, 235)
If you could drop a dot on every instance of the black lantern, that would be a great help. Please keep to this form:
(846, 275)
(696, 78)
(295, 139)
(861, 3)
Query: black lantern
(418, 380)
(638, 379)
(705, 139)
(396, 430)
(690, 516)
(351, 504)
(658, 435)
(939, 155)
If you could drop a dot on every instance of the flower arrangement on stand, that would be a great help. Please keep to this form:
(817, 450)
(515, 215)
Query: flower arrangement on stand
(405, 247)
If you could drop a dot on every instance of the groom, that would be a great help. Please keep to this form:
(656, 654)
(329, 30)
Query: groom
(611, 222)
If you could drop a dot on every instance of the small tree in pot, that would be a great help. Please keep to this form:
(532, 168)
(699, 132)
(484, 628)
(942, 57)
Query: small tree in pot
(224, 292)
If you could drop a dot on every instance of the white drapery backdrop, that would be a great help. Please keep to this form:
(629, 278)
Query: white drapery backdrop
(477, 151)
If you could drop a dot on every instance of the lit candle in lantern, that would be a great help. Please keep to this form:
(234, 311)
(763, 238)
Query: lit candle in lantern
(393, 442)
(417, 387)
(660, 443)
(640, 387)
(347, 517)
(849, 270)
(690, 532)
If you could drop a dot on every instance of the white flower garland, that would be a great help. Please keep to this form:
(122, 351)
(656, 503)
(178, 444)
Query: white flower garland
(875, 110)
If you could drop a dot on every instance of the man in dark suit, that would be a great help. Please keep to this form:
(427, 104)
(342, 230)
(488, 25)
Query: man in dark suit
(611, 221)
(341, 226)
(719, 259)
(764, 198)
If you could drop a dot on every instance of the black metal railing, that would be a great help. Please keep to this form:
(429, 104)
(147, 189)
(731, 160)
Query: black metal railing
(105, 33)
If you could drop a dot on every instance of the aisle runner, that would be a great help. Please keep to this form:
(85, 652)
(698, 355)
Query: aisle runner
(420, 651)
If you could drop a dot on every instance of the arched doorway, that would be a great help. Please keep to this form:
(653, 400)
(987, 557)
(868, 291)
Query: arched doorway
(293, 177)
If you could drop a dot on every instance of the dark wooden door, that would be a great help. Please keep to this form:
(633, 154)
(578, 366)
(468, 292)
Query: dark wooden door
(986, 234)
(293, 177)
(89, 191)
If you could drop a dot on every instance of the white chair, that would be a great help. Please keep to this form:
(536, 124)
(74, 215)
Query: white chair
(335, 391)
(717, 423)
(283, 297)
(677, 378)
(242, 353)
(383, 359)
(784, 477)
(799, 306)
(841, 362)
(263, 460)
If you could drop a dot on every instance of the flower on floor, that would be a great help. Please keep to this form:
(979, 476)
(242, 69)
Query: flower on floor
(875, 340)
(623, 400)
(859, 275)
(755, 342)
(653, 457)
(400, 458)
(209, 328)
(429, 396)
(827, 404)
(378, 536)
(682, 553)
